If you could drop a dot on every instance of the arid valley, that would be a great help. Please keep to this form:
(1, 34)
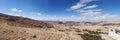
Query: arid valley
(59, 19)
(20, 28)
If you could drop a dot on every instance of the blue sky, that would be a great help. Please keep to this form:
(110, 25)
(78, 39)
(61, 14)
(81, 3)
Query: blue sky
(63, 10)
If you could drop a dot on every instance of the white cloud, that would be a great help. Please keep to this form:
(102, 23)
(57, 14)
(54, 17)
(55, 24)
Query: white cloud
(39, 14)
(32, 12)
(10, 14)
(91, 7)
(36, 13)
(86, 1)
(95, 15)
(91, 13)
(16, 10)
(20, 11)
(72, 16)
(106, 17)
(80, 4)
(77, 6)
(16, 15)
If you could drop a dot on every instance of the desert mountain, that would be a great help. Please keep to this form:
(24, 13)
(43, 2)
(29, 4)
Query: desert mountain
(21, 28)
(110, 23)
(23, 22)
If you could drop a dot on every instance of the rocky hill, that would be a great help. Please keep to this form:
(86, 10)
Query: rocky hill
(23, 22)
(21, 28)
(111, 23)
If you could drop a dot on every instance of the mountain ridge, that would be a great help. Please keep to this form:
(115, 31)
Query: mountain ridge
(22, 21)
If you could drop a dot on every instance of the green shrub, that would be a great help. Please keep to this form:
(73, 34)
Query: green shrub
(92, 32)
(77, 30)
(62, 30)
(91, 35)
(87, 36)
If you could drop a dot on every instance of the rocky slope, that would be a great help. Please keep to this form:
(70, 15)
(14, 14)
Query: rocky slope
(20, 28)
(23, 22)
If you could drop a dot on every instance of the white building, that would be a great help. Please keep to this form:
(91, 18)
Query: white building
(114, 33)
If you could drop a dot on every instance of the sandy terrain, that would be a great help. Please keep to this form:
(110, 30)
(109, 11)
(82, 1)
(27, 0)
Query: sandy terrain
(17, 30)
(21, 33)
(103, 29)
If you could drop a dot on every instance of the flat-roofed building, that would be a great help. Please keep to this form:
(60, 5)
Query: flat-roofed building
(114, 32)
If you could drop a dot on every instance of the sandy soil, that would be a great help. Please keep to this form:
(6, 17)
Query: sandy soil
(21, 33)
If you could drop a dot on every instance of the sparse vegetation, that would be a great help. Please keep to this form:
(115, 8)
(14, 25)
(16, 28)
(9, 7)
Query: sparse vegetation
(23, 39)
(91, 35)
(34, 36)
(92, 32)
(62, 30)
(77, 30)
(23, 29)
(68, 29)
(60, 22)
(98, 29)
(88, 36)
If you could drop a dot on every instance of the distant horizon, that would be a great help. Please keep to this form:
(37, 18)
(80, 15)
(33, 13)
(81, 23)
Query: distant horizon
(63, 10)
(55, 20)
